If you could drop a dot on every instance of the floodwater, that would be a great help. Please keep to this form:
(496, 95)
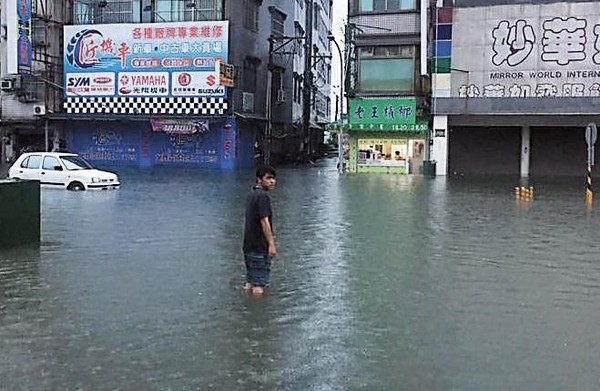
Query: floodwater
(381, 283)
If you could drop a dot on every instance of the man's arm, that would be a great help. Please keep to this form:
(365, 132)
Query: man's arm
(268, 232)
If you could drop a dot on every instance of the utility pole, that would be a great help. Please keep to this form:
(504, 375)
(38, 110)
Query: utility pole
(269, 107)
(308, 81)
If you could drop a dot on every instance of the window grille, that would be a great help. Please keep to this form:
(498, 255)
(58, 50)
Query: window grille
(252, 8)
(277, 23)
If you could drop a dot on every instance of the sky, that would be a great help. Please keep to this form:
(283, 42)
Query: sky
(340, 15)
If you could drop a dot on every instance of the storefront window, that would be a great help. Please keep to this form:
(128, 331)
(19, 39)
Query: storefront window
(399, 155)
(375, 152)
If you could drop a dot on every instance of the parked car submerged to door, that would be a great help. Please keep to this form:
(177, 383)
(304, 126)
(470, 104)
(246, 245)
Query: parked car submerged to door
(62, 170)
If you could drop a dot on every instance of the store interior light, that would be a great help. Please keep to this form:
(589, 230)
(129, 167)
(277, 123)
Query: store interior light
(191, 4)
(147, 8)
(102, 4)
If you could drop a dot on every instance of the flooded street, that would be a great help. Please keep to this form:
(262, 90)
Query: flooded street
(381, 283)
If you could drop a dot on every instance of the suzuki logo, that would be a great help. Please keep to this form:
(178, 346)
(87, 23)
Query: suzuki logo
(211, 80)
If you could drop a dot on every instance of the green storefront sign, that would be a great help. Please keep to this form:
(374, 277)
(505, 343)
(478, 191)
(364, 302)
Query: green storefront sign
(383, 114)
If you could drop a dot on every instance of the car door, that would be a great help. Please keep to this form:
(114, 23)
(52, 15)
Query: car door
(30, 168)
(52, 172)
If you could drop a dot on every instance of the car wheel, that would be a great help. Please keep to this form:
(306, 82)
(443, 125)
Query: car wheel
(76, 186)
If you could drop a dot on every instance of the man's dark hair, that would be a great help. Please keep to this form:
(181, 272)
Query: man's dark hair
(265, 169)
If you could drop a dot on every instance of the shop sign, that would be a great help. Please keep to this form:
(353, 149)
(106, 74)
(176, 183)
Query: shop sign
(17, 34)
(382, 114)
(155, 59)
(542, 51)
(351, 60)
(421, 127)
(176, 126)
(227, 74)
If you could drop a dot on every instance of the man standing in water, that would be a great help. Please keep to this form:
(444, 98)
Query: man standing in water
(259, 242)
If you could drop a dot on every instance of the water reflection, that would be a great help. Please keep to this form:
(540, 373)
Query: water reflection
(382, 282)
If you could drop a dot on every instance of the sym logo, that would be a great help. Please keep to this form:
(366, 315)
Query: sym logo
(211, 80)
(184, 79)
(78, 82)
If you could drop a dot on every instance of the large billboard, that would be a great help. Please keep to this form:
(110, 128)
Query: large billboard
(524, 50)
(179, 59)
(18, 36)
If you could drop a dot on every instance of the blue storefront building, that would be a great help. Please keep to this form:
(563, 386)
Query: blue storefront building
(210, 143)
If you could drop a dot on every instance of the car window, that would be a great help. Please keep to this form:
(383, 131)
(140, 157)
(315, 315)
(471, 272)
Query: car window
(34, 161)
(24, 162)
(75, 163)
(50, 162)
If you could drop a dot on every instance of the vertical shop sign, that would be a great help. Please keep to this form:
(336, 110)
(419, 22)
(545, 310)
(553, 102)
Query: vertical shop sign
(227, 142)
(18, 36)
(351, 60)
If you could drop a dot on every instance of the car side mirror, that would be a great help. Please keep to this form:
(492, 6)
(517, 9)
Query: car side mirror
(58, 168)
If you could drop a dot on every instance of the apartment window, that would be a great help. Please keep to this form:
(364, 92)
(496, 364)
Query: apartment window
(190, 10)
(383, 5)
(277, 23)
(251, 21)
(117, 12)
(249, 74)
(111, 11)
(387, 68)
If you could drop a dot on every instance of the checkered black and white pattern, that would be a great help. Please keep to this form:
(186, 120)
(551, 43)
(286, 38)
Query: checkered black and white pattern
(145, 105)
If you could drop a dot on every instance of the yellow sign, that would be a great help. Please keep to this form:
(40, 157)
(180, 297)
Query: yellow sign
(227, 74)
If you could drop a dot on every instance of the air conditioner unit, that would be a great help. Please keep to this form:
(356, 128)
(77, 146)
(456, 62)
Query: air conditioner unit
(8, 85)
(39, 109)
(280, 96)
(248, 102)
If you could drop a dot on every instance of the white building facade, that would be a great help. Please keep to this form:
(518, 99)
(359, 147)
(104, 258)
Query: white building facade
(514, 86)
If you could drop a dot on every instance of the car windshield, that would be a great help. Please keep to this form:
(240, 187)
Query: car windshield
(75, 163)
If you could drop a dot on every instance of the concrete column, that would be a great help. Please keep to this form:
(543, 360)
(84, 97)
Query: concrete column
(56, 140)
(525, 150)
(439, 150)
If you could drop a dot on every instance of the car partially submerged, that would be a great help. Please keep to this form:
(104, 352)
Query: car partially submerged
(62, 170)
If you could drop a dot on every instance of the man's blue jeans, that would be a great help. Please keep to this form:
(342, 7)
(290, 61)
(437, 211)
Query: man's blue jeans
(258, 268)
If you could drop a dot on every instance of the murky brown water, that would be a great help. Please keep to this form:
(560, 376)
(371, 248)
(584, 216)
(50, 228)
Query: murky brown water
(382, 283)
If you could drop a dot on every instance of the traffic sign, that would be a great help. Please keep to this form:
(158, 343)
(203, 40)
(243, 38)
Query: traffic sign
(591, 135)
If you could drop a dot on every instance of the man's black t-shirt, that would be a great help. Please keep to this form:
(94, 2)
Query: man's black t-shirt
(258, 206)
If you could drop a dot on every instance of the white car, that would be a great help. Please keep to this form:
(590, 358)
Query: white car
(62, 170)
